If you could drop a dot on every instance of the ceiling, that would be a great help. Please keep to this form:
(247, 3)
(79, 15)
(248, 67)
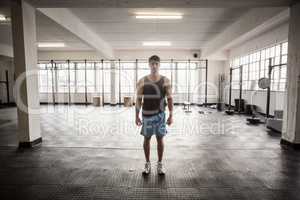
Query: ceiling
(50, 31)
(157, 3)
(47, 31)
(122, 31)
(120, 28)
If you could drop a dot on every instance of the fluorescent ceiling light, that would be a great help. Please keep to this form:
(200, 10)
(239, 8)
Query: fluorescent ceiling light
(158, 17)
(3, 18)
(157, 43)
(51, 44)
(149, 15)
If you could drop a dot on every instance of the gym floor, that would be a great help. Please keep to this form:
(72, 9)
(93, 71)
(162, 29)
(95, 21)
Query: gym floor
(96, 153)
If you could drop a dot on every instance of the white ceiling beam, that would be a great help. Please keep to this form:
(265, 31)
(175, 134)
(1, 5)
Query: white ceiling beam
(71, 22)
(158, 3)
(253, 23)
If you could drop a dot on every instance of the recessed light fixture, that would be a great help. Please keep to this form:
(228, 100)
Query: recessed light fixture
(3, 18)
(157, 43)
(150, 15)
(51, 44)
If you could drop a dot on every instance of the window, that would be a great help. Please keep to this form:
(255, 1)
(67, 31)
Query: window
(98, 75)
(106, 77)
(143, 69)
(45, 85)
(182, 72)
(195, 77)
(90, 77)
(62, 78)
(127, 78)
(80, 75)
(95, 77)
(235, 65)
(256, 66)
(166, 69)
(72, 72)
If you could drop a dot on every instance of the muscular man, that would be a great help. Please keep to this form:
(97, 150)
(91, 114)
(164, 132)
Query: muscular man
(152, 92)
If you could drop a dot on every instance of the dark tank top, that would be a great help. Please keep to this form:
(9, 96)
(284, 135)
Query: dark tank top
(154, 97)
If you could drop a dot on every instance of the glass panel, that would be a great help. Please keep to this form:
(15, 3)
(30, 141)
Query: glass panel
(90, 75)
(72, 78)
(106, 77)
(62, 78)
(43, 80)
(143, 69)
(80, 82)
(284, 59)
(284, 48)
(128, 78)
(277, 50)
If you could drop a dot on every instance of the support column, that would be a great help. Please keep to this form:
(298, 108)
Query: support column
(113, 82)
(25, 60)
(291, 125)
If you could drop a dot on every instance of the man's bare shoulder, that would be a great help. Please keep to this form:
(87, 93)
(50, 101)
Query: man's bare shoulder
(141, 80)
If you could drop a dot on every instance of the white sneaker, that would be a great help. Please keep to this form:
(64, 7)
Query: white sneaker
(160, 169)
(147, 169)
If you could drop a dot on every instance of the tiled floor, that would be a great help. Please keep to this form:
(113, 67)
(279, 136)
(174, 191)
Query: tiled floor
(95, 153)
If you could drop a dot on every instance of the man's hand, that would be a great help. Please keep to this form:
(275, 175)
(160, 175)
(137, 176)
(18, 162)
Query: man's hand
(170, 120)
(138, 121)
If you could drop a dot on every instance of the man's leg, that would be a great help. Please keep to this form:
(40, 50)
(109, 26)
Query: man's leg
(160, 148)
(160, 152)
(147, 148)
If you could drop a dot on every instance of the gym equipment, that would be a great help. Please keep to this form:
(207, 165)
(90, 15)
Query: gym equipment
(220, 105)
(249, 108)
(239, 105)
(254, 119)
(265, 83)
(275, 123)
(187, 106)
(238, 109)
(6, 83)
(127, 101)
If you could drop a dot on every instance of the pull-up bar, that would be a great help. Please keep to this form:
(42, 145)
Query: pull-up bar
(240, 86)
(6, 83)
(270, 69)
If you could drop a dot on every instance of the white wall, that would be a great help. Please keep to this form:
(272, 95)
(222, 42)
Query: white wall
(215, 68)
(259, 98)
(71, 55)
(119, 54)
(163, 54)
(276, 35)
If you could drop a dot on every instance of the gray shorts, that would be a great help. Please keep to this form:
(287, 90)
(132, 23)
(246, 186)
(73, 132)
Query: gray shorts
(155, 124)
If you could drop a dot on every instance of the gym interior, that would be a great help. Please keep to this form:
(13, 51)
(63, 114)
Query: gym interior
(68, 88)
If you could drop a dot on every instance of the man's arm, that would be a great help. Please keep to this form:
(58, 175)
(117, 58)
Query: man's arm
(138, 104)
(169, 100)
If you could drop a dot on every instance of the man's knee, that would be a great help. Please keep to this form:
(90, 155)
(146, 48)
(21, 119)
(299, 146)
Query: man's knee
(147, 140)
(160, 140)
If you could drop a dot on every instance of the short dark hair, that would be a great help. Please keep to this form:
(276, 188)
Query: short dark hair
(154, 58)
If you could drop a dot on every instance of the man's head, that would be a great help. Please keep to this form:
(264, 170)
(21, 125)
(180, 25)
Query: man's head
(154, 63)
